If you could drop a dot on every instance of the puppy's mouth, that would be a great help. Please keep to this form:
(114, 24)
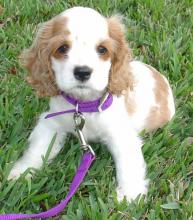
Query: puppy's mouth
(82, 87)
(84, 92)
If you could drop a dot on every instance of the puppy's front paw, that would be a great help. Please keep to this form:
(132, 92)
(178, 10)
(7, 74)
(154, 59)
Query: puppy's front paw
(131, 192)
(17, 170)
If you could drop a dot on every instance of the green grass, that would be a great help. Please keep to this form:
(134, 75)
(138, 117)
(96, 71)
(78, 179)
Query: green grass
(160, 33)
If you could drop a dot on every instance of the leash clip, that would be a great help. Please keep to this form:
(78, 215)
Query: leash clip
(79, 120)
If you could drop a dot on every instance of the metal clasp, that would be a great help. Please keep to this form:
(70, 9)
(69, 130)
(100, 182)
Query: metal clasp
(79, 120)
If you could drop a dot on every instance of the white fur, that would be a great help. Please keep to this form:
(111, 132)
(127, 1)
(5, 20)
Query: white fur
(114, 127)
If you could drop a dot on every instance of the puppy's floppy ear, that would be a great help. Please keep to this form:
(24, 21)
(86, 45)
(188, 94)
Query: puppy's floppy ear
(36, 60)
(120, 78)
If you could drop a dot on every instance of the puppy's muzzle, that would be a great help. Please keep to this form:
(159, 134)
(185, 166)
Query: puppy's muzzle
(82, 73)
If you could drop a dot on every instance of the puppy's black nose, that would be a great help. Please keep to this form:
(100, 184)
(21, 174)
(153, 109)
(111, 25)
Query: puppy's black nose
(82, 73)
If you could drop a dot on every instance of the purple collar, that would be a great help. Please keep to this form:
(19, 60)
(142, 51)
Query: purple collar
(97, 105)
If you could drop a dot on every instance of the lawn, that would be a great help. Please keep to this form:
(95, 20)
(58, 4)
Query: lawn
(160, 33)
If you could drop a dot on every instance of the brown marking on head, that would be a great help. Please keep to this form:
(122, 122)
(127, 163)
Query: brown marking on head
(160, 114)
(59, 44)
(108, 44)
(51, 35)
(120, 77)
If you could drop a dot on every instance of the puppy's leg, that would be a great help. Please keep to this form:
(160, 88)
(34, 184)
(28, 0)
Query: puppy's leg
(125, 147)
(39, 142)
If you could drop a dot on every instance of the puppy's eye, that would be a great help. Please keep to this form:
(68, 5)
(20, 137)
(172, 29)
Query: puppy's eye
(63, 49)
(101, 50)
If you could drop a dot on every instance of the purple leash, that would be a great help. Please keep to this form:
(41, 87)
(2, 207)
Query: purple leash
(98, 105)
(87, 160)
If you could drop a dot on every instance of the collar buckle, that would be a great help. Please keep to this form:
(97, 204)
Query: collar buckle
(77, 108)
(102, 101)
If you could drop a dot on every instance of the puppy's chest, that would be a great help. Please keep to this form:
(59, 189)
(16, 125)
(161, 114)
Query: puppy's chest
(94, 128)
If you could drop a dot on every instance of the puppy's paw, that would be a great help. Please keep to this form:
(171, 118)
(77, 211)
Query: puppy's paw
(131, 192)
(17, 170)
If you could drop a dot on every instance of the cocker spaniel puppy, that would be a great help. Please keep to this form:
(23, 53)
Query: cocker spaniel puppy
(83, 54)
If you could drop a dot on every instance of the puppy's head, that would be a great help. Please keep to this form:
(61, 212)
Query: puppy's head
(79, 52)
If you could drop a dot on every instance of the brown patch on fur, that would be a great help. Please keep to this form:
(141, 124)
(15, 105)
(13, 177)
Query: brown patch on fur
(109, 45)
(130, 102)
(158, 116)
(58, 44)
(36, 59)
(120, 77)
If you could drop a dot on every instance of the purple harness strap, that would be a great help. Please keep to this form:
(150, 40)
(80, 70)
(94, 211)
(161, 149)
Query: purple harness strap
(87, 160)
(80, 106)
